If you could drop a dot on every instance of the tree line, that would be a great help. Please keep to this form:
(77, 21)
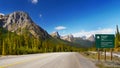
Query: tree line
(13, 44)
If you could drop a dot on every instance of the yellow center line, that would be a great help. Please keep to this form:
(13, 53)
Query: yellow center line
(20, 62)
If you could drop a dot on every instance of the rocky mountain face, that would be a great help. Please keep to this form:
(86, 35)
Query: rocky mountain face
(69, 38)
(21, 22)
(91, 38)
(55, 35)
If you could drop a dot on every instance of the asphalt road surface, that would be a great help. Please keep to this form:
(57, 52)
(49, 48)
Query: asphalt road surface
(47, 60)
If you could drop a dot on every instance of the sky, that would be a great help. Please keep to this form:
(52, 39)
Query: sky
(76, 17)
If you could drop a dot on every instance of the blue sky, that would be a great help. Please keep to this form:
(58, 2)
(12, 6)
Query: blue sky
(77, 17)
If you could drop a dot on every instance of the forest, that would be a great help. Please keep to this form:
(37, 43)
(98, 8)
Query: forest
(13, 44)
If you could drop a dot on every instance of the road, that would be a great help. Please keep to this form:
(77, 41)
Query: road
(47, 60)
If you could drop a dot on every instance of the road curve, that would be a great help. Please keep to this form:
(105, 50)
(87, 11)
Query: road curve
(47, 60)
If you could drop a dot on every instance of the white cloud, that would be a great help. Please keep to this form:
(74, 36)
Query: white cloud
(89, 33)
(60, 28)
(34, 1)
(40, 15)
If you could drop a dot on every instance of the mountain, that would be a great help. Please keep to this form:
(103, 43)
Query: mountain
(1, 16)
(69, 38)
(66, 38)
(91, 38)
(79, 41)
(75, 41)
(55, 35)
(20, 22)
(83, 42)
(20, 35)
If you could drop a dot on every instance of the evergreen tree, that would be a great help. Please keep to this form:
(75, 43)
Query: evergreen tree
(117, 39)
(3, 49)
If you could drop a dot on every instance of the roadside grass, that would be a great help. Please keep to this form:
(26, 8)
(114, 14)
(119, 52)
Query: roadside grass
(115, 63)
(1, 67)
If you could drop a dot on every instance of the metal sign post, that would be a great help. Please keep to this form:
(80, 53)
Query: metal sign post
(98, 54)
(111, 54)
(105, 55)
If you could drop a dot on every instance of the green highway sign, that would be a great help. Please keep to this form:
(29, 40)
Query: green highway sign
(104, 40)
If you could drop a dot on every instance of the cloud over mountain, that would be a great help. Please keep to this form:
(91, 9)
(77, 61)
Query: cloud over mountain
(89, 33)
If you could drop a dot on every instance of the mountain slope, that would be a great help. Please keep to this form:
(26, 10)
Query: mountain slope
(91, 38)
(83, 42)
(69, 38)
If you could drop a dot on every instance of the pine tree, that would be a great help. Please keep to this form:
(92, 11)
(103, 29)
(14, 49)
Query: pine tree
(117, 39)
(117, 29)
(9, 43)
(3, 49)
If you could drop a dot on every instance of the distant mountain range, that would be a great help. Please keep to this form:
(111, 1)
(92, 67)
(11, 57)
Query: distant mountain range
(83, 41)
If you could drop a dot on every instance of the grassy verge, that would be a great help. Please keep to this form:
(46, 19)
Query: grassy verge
(115, 63)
